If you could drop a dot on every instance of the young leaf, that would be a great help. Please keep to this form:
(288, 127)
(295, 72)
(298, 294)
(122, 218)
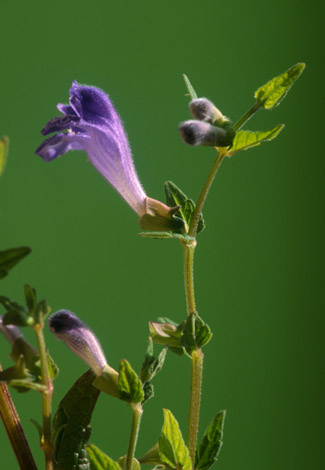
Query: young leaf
(30, 296)
(130, 386)
(190, 89)
(168, 335)
(196, 333)
(100, 461)
(71, 424)
(4, 143)
(209, 447)
(272, 93)
(248, 139)
(172, 449)
(122, 462)
(9, 258)
(176, 197)
(150, 367)
(20, 377)
(53, 367)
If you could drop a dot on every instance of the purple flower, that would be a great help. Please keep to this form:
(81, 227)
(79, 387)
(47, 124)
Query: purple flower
(90, 123)
(67, 327)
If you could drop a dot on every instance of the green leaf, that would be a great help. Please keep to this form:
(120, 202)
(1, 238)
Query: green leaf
(272, 93)
(168, 335)
(41, 311)
(20, 377)
(248, 139)
(172, 449)
(4, 144)
(196, 333)
(9, 258)
(209, 447)
(122, 462)
(150, 368)
(21, 347)
(71, 424)
(100, 461)
(152, 365)
(53, 367)
(130, 386)
(30, 296)
(190, 89)
(176, 197)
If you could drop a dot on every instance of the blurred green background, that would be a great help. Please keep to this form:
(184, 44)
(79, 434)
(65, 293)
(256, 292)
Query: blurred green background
(258, 263)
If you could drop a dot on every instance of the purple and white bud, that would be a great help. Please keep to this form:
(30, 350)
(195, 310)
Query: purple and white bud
(11, 332)
(67, 327)
(204, 110)
(203, 133)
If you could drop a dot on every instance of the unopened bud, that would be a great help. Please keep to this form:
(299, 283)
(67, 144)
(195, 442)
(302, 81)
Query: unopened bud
(11, 332)
(79, 338)
(203, 133)
(204, 110)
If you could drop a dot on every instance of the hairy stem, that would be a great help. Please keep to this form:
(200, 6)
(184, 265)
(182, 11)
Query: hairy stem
(195, 399)
(189, 248)
(46, 443)
(136, 419)
(14, 430)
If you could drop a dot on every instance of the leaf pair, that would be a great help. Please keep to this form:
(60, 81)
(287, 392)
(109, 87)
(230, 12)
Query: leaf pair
(176, 197)
(190, 335)
(33, 314)
(172, 452)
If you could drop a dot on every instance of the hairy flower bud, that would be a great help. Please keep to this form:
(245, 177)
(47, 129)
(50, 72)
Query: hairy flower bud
(204, 110)
(203, 133)
(79, 338)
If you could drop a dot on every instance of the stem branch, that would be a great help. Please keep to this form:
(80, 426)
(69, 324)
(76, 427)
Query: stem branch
(46, 443)
(136, 420)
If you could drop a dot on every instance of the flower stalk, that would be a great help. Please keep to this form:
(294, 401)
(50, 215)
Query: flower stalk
(136, 420)
(46, 442)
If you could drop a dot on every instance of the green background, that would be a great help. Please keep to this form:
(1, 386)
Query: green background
(258, 263)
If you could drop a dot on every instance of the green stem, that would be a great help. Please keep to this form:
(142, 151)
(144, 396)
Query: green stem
(199, 206)
(136, 420)
(46, 443)
(197, 355)
(256, 106)
(189, 248)
(15, 431)
(195, 399)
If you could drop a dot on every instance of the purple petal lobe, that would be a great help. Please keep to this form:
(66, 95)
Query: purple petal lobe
(91, 104)
(65, 109)
(60, 144)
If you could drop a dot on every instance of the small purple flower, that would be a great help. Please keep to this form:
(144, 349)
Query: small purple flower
(90, 123)
(67, 327)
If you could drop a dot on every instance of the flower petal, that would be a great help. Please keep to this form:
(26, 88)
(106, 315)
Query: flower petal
(60, 144)
(91, 104)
